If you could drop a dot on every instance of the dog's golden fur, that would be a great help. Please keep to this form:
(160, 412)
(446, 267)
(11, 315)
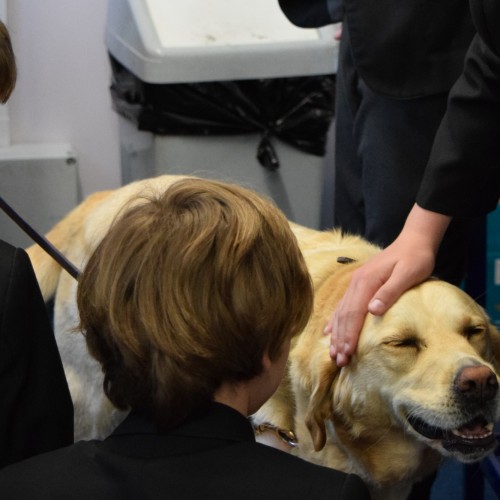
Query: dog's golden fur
(410, 365)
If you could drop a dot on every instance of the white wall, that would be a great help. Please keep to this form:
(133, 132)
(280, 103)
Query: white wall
(62, 93)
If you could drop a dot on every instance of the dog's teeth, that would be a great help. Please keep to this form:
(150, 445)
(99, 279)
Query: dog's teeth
(482, 435)
(478, 428)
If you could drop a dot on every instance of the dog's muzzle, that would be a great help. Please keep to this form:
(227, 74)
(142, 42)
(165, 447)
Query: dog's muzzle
(475, 438)
(475, 390)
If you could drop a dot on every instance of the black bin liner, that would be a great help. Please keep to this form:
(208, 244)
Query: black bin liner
(297, 110)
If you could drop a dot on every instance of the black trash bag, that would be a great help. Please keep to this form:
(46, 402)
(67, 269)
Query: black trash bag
(297, 110)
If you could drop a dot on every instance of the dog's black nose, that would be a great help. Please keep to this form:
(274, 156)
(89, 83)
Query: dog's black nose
(476, 382)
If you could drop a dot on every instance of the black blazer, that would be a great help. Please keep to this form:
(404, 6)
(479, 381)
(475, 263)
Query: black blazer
(36, 409)
(401, 48)
(463, 174)
(212, 457)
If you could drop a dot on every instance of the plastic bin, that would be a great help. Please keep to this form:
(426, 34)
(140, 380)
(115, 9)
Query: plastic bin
(266, 85)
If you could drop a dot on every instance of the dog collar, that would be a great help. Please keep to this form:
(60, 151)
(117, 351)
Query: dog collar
(288, 436)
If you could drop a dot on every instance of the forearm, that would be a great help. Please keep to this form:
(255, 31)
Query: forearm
(424, 227)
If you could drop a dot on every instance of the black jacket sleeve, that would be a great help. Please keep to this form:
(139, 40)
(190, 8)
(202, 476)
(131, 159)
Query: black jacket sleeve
(37, 412)
(462, 177)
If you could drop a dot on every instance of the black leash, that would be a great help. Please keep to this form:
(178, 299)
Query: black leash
(40, 240)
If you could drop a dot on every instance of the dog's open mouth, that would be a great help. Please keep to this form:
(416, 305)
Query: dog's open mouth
(473, 437)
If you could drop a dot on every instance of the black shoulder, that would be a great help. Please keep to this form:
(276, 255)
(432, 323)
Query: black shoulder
(315, 481)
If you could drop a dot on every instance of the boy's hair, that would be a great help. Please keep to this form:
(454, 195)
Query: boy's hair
(8, 68)
(190, 289)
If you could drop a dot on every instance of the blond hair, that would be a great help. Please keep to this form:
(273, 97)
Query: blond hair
(190, 289)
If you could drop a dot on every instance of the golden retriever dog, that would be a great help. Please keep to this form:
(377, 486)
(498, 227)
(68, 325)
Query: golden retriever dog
(422, 385)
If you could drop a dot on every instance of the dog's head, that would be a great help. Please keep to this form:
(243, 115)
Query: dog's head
(427, 367)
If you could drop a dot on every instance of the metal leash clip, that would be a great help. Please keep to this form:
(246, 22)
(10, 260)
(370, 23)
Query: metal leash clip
(287, 436)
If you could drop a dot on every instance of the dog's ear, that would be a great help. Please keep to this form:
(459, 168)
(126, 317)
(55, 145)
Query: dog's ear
(320, 406)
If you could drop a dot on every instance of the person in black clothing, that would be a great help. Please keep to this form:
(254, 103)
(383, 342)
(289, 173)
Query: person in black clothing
(417, 155)
(37, 412)
(405, 97)
(397, 63)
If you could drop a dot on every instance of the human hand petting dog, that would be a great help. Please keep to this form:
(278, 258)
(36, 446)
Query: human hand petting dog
(379, 283)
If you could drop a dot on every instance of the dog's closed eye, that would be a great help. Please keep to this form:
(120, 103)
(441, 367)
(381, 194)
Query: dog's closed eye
(474, 330)
(403, 342)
